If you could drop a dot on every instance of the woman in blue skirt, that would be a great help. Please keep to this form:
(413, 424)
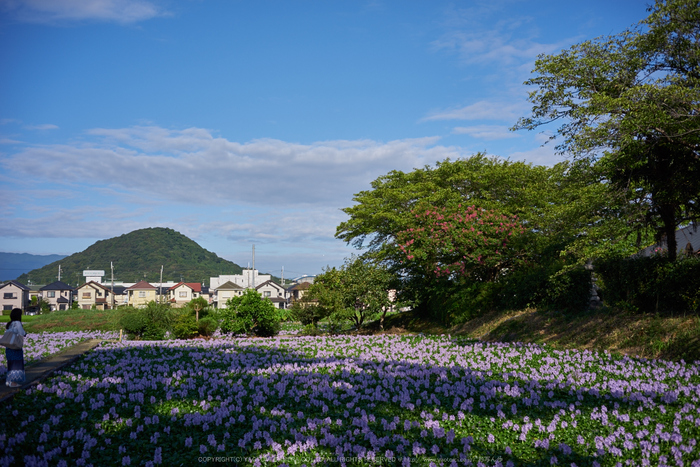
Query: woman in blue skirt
(15, 358)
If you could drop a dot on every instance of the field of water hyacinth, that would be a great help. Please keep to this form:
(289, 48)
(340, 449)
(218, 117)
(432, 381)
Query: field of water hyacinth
(45, 344)
(385, 400)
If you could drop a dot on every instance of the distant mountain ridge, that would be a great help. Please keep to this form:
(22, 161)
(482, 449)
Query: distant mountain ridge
(136, 256)
(13, 265)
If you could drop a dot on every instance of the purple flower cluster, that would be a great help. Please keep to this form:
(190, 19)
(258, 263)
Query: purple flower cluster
(405, 400)
(38, 346)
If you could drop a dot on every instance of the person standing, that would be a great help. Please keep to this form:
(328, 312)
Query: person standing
(15, 357)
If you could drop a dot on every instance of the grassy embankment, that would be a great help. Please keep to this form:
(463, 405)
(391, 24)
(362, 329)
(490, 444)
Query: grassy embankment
(650, 336)
(671, 337)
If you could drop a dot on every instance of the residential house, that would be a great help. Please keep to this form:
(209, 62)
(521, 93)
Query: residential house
(58, 295)
(248, 279)
(296, 291)
(225, 291)
(14, 295)
(687, 242)
(275, 292)
(140, 294)
(93, 295)
(182, 293)
(121, 296)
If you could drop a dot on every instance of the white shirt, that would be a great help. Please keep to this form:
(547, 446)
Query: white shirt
(16, 327)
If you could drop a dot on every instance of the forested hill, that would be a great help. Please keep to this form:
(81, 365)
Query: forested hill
(137, 256)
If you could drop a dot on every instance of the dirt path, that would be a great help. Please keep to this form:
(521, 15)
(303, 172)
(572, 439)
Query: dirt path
(36, 372)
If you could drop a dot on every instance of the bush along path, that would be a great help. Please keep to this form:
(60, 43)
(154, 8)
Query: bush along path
(406, 400)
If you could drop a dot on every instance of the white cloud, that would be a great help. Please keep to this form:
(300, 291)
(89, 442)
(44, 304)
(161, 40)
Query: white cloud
(487, 132)
(85, 221)
(193, 166)
(541, 155)
(493, 46)
(45, 126)
(482, 110)
(50, 11)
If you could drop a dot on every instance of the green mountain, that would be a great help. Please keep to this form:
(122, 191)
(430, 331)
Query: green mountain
(137, 256)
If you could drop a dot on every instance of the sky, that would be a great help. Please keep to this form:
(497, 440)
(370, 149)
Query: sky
(241, 123)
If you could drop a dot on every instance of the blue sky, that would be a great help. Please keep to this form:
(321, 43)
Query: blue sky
(240, 123)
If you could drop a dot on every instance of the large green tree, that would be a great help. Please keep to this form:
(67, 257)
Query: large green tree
(630, 105)
(358, 291)
(513, 188)
(248, 313)
(557, 208)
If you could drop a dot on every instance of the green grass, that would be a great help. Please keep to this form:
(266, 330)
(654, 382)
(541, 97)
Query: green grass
(25, 319)
(74, 320)
(671, 337)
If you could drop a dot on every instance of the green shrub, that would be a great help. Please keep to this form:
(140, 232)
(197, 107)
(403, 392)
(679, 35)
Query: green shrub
(250, 313)
(149, 323)
(207, 326)
(311, 330)
(153, 332)
(134, 323)
(569, 290)
(650, 284)
(523, 288)
(184, 326)
(307, 313)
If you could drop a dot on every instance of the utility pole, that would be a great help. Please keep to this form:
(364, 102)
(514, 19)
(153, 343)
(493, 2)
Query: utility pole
(111, 267)
(59, 273)
(282, 276)
(160, 287)
(253, 266)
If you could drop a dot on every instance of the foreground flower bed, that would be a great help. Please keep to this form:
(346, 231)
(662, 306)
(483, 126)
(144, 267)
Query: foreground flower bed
(45, 344)
(393, 400)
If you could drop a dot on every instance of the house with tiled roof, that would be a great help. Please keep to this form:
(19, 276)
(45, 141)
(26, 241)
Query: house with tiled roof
(94, 295)
(296, 291)
(226, 291)
(58, 295)
(14, 294)
(183, 292)
(273, 292)
(140, 294)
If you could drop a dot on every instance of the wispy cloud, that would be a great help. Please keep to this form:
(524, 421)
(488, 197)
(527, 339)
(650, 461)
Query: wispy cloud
(482, 110)
(493, 46)
(487, 132)
(45, 126)
(86, 221)
(193, 166)
(545, 154)
(51, 11)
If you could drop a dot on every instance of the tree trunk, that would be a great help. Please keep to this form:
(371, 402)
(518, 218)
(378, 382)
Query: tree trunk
(669, 219)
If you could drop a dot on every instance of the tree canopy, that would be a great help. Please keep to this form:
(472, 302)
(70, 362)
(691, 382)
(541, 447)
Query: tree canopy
(358, 291)
(421, 222)
(630, 105)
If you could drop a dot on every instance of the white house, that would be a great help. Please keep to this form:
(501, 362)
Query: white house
(274, 292)
(227, 290)
(250, 279)
(14, 295)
